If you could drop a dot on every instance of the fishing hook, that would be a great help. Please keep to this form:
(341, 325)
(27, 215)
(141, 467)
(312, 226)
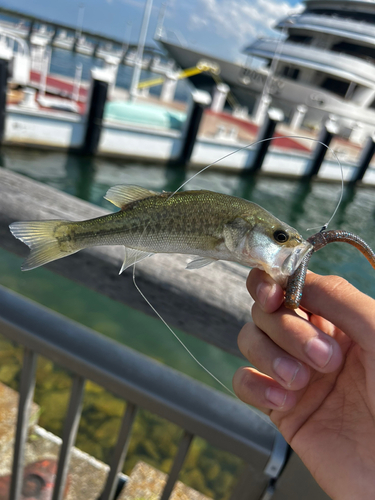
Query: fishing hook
(296, 281)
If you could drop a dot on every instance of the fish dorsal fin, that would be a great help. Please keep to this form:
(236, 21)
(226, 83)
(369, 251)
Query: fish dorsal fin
(132, 256)
(122, 195)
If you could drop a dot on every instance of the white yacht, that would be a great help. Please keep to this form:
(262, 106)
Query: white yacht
(322, 64)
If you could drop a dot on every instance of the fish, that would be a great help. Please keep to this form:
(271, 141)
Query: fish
(209, 225)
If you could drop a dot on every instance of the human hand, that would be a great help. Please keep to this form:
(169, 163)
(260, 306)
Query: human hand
(316, 377)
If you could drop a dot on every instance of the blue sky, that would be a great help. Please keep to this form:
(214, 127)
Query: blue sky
(218, 27)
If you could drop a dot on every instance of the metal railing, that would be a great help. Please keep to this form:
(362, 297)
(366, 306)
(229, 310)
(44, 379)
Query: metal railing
(199, 410)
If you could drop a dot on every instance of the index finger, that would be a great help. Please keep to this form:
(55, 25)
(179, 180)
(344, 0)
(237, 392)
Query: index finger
(264, 290)
(342, 304)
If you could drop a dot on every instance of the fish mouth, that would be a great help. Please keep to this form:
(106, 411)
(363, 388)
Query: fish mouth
(292, 262)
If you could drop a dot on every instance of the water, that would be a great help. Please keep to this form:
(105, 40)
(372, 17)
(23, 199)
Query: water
(301, 204)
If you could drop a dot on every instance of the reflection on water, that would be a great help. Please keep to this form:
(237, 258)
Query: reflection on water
(298, 202)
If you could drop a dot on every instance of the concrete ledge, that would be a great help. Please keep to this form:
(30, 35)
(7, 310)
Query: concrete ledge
(147, 483)
(8, 412)
(86, 474)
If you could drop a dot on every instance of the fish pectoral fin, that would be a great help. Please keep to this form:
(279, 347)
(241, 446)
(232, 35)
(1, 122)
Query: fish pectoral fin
(200, 262)
(123, 195)
(132, 256)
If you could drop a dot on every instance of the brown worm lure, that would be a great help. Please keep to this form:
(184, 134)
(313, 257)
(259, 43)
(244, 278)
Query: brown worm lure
(296, 281)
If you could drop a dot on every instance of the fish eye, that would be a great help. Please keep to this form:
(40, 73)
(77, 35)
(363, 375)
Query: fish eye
(281, 236)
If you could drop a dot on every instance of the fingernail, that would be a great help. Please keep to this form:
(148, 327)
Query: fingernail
(276, 396)
(319, 351)
(263, 291)
(286, 369)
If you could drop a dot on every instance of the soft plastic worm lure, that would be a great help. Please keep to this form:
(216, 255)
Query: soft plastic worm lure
(293, 292)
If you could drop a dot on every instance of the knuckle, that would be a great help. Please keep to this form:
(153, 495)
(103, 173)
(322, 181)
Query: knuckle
(332, 285)
(256, 311)
(242, 338)
(336, 285)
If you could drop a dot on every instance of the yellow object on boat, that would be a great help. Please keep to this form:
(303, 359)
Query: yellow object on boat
(201, 67)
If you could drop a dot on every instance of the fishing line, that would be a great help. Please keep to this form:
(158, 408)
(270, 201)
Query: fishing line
(325, 226)
(178, 338)
(263, 416)
(190, 179)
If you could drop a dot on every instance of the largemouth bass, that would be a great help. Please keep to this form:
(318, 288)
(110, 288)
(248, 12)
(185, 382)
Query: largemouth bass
(210, 225)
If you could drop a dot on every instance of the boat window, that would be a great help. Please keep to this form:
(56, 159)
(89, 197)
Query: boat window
(352, 49)
(372, 105)
(306, 40)
(290, 72)
(338, 87)
(366, 17)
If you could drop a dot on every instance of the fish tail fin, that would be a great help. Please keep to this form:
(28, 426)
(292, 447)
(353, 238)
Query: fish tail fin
(40, 237)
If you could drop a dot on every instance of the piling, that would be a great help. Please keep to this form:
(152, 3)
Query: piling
(266, 131)
(364, 160)
(200, 101)
(100, 82)
(169, 88)
(75, 42)
(298, 117)
(221, 92)
(54, 35)
(327, 132)
(30, 30)
(261, 109)
(96, 48)
(3, 95)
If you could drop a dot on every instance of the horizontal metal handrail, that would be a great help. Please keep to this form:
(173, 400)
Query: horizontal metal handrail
(220, 419)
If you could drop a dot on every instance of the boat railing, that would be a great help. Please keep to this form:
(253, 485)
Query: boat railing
(14, 42)
(341, 24)
(359, 69)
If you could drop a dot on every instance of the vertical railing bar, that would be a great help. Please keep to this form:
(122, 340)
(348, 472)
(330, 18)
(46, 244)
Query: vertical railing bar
(177, 465)
(27, 384)
(69, 435)
(243, 486)
(119, 453)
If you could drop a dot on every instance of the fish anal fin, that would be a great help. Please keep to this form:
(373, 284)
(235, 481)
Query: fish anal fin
(132, 256)
(200, 262)
(123, 195)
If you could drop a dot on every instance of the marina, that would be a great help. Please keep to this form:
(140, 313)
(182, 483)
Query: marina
(118, 403)
(53, 111)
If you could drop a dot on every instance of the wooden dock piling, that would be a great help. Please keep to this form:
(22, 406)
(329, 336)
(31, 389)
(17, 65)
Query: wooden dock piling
(326, 134)
(98, 98)
(364, 160)
(200, 100)
(266, 131)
